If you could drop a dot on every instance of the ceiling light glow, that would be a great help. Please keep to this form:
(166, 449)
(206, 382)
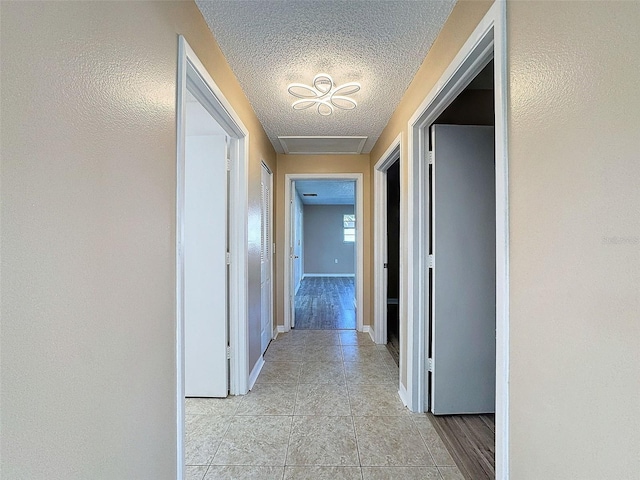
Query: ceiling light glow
(324, 94)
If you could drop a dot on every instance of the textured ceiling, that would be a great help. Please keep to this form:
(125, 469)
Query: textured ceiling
(272, 43)
(329, 192)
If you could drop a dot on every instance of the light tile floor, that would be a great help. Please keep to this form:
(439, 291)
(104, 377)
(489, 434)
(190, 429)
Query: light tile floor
(325, 406)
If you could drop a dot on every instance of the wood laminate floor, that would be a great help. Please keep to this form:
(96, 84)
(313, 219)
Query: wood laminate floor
(325, 303)
(470, 440)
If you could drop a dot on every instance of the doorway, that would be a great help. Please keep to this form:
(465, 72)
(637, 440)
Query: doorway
(324, 246)
(386, 242)
(462, 285)
(392, 264)
(211, 192)
(486, 43)
(206, 286)
(323, 232)
(461, 241)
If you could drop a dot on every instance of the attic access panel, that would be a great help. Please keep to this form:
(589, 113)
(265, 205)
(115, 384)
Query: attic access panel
(299, 145)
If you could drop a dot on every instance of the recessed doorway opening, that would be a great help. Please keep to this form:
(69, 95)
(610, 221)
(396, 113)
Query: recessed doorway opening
(462, 313)
(211, 288)
(323, 231)
(324, 260)
(427, 352)
(392, 265)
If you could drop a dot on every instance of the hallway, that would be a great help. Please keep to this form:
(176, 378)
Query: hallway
(325, 406)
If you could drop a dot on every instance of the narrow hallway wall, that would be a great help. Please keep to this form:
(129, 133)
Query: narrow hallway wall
(88, 198)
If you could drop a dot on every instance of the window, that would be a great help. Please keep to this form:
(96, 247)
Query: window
(349, 226)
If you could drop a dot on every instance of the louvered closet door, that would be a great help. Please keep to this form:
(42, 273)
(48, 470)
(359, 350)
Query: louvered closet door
(266, 258)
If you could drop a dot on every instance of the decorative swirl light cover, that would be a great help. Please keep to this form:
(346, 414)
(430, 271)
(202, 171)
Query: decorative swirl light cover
(325, 94)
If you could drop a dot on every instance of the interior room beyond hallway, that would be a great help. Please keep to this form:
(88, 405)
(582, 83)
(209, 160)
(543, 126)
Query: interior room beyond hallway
(325, 303)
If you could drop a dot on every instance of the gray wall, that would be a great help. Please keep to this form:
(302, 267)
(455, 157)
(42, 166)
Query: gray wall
(323, 240)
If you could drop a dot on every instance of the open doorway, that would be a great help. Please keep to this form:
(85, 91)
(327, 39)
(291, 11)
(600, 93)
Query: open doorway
(486, 46)
(392, 264)
(462, 285)
(324, 260)
(206, 279)
(323, 231)
(211, 239)
(387, 240)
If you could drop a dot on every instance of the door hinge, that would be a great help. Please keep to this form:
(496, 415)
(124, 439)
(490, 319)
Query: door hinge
(386, 265)
(432, 261)
(228, 164)
(429, 157)
(429, 364)
(228, 352)
(228, 258)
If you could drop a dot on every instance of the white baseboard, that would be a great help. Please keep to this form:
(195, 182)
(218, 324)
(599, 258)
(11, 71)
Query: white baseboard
(255, 372)
(369, 329)
(275, 333)
(281, 329)
(403, 395)
(328, 275)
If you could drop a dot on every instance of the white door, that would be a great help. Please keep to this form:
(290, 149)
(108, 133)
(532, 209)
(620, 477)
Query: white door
(265, 258)
(205, 266)
(464, 281)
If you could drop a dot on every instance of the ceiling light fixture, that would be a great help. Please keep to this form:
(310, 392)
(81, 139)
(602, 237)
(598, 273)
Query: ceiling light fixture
(325, 94)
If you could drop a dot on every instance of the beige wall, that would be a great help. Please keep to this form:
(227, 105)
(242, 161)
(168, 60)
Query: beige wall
(87, 256)
(87, 199)
(296, 164)
(463, 19)
(574, 170)
(574, 230)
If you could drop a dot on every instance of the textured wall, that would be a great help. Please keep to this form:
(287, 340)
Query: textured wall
(463, 19)
(296, 164)
(324, 240)
(88, 227)
(574, 166)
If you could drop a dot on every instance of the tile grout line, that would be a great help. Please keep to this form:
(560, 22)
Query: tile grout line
(424, 440)
(222, 439)
(353, 420)
(426, 444)
(293, 415)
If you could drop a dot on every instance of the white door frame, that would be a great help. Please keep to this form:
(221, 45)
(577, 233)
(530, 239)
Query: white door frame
(288, 264)
(488, 41)
(387, 159)
(193, 75)
(293, 225)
